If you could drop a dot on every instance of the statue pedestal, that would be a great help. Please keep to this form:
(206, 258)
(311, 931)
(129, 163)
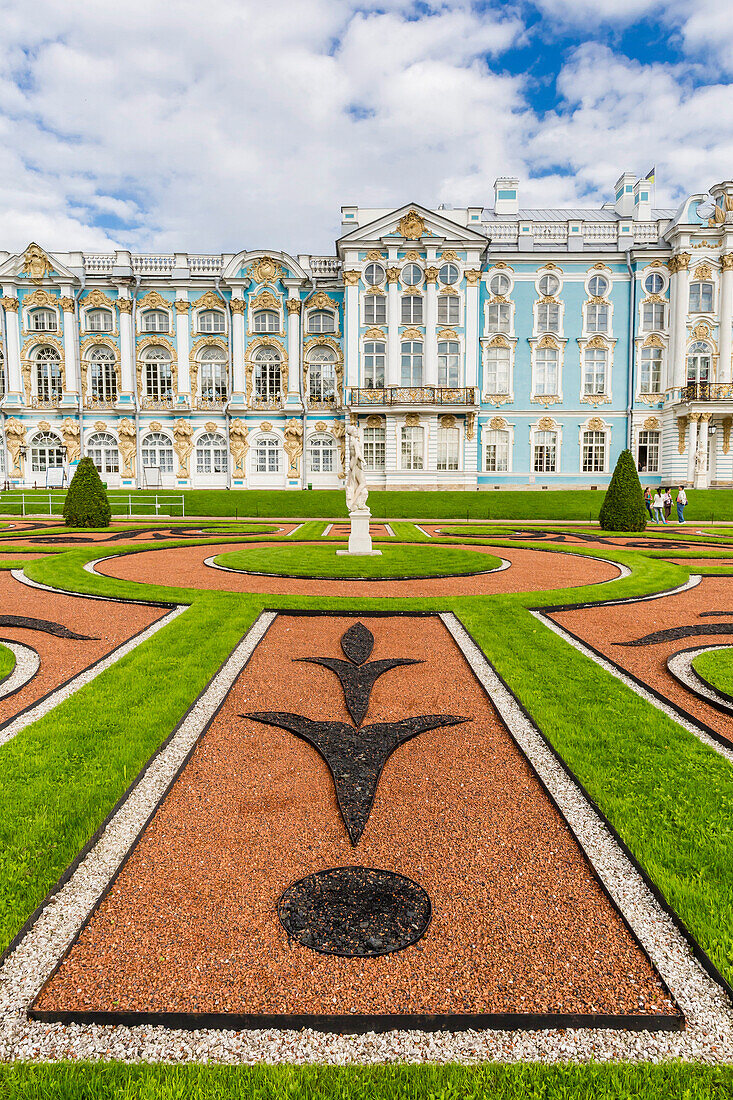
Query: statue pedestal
(360, 541)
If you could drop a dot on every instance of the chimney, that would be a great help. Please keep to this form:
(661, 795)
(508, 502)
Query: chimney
(624, 192)
(506, 195)
(643, 201)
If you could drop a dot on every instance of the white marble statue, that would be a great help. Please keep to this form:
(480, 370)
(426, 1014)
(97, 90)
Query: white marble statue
(356, 487)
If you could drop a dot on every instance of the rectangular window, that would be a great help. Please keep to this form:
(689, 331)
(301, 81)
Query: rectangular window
(448, 309)
(411, 363)
(448, 363)
(412, 448)
(651, 370)
(448, 445)
(545, 452)
(497, 452)
(652, 317)
(594, 452)
(546, 371)
(597, 317)
(499, 316)
(548, 317)
(375, 355)
(701, 297)
(648, 461)
(375, 309)
(412, 309)
(594, 371)
(374, 445)
(497, 370)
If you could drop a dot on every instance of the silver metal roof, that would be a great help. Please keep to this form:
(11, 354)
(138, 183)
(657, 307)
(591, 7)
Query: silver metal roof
(565, 214)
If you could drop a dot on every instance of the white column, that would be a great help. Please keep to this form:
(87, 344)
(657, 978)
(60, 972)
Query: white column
(351, 327)
(703, 442)
(127, 353)
(71, 353)
(183, 352)
(473, 279)
(15, 394)
(393, 329)
(238, 306)
(692, 445)
(679, 296)
(725, 369)
(292, 401)
(431, 327)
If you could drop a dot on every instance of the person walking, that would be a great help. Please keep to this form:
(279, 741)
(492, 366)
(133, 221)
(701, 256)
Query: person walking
(648, 501)
(667, 498)
(659, 508)
(681, 502)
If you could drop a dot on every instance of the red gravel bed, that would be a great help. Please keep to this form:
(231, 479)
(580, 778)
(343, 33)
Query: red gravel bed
(604, 627)
(520, 924)
(64, 540)
(699, 565)
(61, 658)
(531, 571)
(343, 530)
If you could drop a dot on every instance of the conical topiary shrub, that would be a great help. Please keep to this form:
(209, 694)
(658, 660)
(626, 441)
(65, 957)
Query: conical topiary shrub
(623, 507)
(86, 502)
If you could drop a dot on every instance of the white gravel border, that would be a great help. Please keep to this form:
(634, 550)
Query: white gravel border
(27, 663)
(680, 666)
(708, 1036)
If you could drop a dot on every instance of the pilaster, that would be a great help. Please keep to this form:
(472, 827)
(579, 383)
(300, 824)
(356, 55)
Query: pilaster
(293, 400)
(473, 280)
(183, 351)
(431, 324)
(692, 446)
(351, 325)
(679, 295)
(393, 330)
(70, 395)
(238, 306)
(126, 396)
(15, 394)
(725, 368)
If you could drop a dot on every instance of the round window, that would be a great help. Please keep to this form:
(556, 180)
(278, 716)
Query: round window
(654, 283)
(598, 286)
(549, 285)
(374, 274)
(499, 285)
(448, 274)
(411, 275)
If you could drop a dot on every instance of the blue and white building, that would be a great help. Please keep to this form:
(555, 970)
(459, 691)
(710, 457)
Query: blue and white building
(475, 348)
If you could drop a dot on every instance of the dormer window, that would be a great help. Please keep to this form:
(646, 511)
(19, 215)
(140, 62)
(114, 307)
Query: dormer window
(267, 320)
(44, 320)
(701, 297)
(156, 320)
(321, 320)
(99, 320)
(212, 320)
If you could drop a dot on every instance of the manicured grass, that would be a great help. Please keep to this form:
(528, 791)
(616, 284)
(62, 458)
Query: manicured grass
(716, 668)
(7, 661)
(323, 561)
(85, 1081)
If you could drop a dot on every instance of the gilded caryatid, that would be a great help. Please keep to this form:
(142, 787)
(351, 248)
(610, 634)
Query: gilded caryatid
(128, 441)
(239, 445)
(293, 445)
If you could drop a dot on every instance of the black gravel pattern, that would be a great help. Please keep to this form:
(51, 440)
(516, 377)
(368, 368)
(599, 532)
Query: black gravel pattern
(355, 912)
(677, 632)
(44, 625)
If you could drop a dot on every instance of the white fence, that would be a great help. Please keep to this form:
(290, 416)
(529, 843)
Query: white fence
(16, 503)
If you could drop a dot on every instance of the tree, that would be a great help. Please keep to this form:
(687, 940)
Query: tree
(623, 507)
(86, 503)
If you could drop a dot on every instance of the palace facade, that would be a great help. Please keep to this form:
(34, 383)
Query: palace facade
(474, 348)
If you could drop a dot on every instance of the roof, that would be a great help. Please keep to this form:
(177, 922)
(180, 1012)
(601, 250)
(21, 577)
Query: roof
(572, 214)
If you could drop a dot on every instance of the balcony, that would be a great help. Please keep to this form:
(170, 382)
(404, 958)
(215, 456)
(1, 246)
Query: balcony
(100, 402)
(157, 403)
(707, 391)
(414, 395)
(52, 402)
(212, 403)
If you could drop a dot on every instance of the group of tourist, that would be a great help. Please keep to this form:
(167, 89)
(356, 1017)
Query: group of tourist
(659, 506)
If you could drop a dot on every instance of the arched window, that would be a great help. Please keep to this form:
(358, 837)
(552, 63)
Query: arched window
(448, 448)
(411, 275)
(374, 448)
(594, 452)
(698, 363)
(651, 370)
(267, 320)
(157, 451)
(156, 320)
(545, 377)
(701, 297)
(321, 454)
(212, 320)
(596, 315)
(449, 360)
(102, 375)
(158, 376)
(44, 320)
(411, 363)
(375, 356)
(47, 452)
(448, 274)
(595, 364)
(412, 447)
(321, 320)
(497, 370)
(211, 454)
(545, 452)
(48, 374)
(375, 309)
(102, 449)
(411, 309)
(267, 455)
(99, 320)
(449, 308)
(267, 385)
(213, 375)
(497, 452)
(322, 376)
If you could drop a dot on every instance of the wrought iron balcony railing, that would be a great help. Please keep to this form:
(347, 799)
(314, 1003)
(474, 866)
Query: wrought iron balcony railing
(414, 395)
(52, 402)
(99, 402)
(708, 391)
(211, 402)
(157, 403)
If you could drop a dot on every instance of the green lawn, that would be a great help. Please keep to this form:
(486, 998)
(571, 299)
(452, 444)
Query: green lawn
(7, 661)
(716, 668)
(308, 560)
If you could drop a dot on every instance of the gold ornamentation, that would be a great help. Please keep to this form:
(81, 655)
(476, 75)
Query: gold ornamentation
(548, 342)
(67, 305)
(293, 305)
(210, 426)
(412, 256)
(656, 298)
(376, 290)
(321, 300)
(706, 416)
(97, 299)
(44, 426)
(653, 341)
(374, 254)
(100, 426)
(183, 445)
(15, 433)
(238, 445)
(182, 305)
(546, 399)
(36, 263)
(374, 334)
(338, 431)
(470, 425)
(155, 425)
(351, 278)
(473, 276)
(393, 274)
(127, 436)
(124, 305)
(447, 334)
(293, 444)
(695, 416)
(411, 225)
(208, 300)
(598, 300)
(156, 340)
(265, 270)
(237, 305)
(451, 291)
(651, 424)
(265, 426)
(703, 271)
(727, 424)
(9, 304)
(701, 331)
(600, 266)
(449, 255)
(596, 342)
(412, 290)
(447, 421)
(498, 424)
(249, 362)
(719, 212)
(680, 262)
(411, 334)
(412, 420)
(320, 426)
(726, 262)
(554, 267)
(194, 360)
(596, 399)
(502, 266)
(546, 424)
(595, 424)
(497, 399)
(70, 434)
(375, 422)
(42, 297)
(548, 298)
(154, 300)
(431, 274)
(265, 300)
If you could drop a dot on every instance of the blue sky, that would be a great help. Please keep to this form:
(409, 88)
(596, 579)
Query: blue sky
(168, 126)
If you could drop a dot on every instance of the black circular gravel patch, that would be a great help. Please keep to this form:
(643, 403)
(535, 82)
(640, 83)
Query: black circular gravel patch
(355, 912)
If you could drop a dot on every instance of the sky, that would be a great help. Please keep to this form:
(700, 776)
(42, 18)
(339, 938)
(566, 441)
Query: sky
(176, 125)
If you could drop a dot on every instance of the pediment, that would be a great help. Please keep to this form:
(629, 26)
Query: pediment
(413, 222)
(263, 267)
(36, 266)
